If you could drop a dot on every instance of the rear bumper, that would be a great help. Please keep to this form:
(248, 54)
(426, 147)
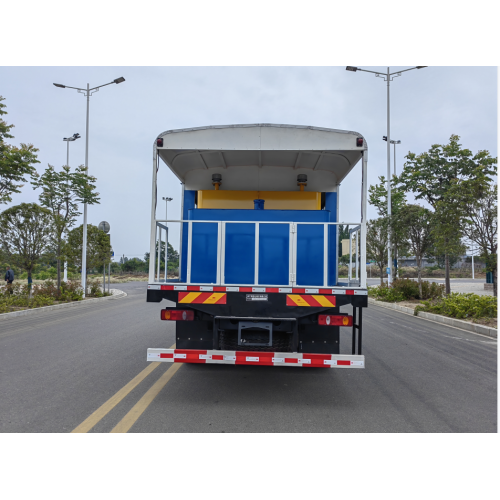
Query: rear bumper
(256, 358)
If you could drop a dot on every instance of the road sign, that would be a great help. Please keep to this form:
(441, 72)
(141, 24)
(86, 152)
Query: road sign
(104, 226)
(388, 270)
(112, 254)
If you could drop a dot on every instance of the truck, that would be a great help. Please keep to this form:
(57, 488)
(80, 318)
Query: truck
(258, 280)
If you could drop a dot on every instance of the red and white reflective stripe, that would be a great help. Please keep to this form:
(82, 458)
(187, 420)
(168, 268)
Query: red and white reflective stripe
(257, 358)
(250, 289)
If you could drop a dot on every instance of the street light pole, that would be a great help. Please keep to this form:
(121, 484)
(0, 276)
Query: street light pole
(87, 93)
(389, 202)
(74, 137)
(387, 77)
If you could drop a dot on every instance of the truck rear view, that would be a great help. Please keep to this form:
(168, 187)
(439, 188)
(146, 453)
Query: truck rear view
(258, 273)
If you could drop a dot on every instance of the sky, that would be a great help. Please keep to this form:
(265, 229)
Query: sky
(427, 106)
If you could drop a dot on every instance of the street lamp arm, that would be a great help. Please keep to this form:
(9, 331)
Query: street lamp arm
(116, 80)
(409, 69)
(99, 86)
(375, 72)
(67, 86)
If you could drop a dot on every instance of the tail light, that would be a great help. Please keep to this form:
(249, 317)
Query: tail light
(359, 142)
(176, 315)
(159, 143)
(330, 320)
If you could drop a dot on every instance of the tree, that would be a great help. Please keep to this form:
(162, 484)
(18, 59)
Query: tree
(15, 162)
(376, 243)
(478, 209)
(378, 198)
(430, 176)
(134, 265)
(416, 225)
(98, 247)
(447, 235)
(172, 257)
(61, 193)
(26, 234)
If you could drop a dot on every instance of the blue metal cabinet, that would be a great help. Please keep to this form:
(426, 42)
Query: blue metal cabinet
(310, 255)
(240, 254)
(274, 251)
(204, 253)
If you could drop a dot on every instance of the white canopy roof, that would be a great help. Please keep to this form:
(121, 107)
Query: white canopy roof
(261, 156)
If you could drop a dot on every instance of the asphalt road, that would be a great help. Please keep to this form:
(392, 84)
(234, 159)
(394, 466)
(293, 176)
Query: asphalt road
(73, 370)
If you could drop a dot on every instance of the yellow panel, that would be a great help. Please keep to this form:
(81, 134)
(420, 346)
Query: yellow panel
(274, 200)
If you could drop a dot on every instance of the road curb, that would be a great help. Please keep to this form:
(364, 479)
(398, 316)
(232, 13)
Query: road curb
(117, 294)
(457, 323)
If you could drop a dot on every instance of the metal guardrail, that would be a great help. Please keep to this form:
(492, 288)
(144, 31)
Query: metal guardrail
(221, 258)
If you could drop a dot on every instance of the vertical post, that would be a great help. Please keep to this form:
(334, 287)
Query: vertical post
(325, 254)
(349, 271)
(353, 330)
(337, 219)
(152, 239)
(357, 254)
(389, 211)
(218, 280)
(190, 236)
(181, 232)
(166, 239)
(473, 262)
(159, 254)
(84, 243)
(364, 195)
(360, 328)
(65, 277)
(104, 277)
(256, 261)
(109, 275)
(222, 276)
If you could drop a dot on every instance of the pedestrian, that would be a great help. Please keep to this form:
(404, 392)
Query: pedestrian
(9, 277)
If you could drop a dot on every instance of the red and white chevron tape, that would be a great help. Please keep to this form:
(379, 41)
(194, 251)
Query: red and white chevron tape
(256, 358)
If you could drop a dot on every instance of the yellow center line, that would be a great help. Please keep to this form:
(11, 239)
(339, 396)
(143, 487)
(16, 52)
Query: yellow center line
(131, 417)
(104, 409)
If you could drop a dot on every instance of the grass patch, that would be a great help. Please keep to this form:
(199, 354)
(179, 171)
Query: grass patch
(468, 306)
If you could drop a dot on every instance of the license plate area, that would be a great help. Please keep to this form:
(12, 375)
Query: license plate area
(255, 333)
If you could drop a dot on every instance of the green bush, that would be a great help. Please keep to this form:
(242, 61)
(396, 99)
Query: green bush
(71, 291)
(42, 275)
(386, 293)
(95, 290)
(406, 289)
(462, 306)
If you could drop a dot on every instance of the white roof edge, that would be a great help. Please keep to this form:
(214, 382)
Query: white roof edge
(248, 125)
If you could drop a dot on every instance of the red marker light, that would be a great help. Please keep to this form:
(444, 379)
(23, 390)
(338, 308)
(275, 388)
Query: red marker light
(176, 315)
(159, 143)
(359, 142)
(334, 320)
